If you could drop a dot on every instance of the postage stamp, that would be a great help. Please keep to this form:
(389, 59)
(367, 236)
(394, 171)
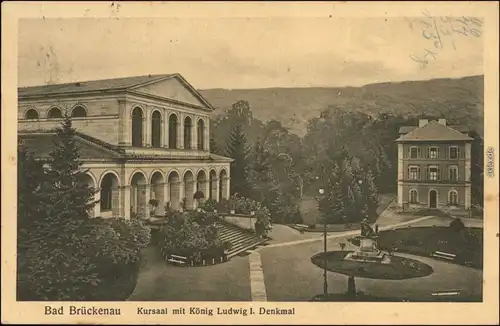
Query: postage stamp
(250, 163)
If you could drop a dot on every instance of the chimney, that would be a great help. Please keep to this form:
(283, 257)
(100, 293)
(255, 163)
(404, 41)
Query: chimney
(442, 121)
(422, 122)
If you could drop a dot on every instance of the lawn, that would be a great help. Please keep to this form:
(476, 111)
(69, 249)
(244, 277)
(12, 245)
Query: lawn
(311, 216)
(400, 268)
(424, 241)
(290, 275)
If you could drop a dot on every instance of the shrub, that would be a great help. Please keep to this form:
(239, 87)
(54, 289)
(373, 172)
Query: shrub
(192, 235)
(209, 205)
(457, 225)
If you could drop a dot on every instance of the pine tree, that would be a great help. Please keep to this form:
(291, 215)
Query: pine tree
(332, 204)
(260, 174)
(72, 198)
(30, 185)
(370, 194)
(237, 150)
(213, 146)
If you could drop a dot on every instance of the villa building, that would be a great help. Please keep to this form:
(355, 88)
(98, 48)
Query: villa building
(140, 138)
(434, 166)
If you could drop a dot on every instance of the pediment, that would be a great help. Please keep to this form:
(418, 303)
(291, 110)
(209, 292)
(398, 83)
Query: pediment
(174, 88)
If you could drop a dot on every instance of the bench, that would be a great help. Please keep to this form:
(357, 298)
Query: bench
(444, 255)
(176, 261)
(446, 293)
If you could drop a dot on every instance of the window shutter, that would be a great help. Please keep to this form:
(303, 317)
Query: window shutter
(459, 154)
(447, 153)
(428, 152)
(427, 173)
(438, 173)
(418, 152)
(408, 154)
(418, 173)
(437, 152)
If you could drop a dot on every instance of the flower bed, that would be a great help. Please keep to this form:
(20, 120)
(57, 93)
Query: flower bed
(466, 244)
(191, 239)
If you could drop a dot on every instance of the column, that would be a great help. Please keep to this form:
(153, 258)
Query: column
(124, 132)
(165, 128)
(194, 133)
(181, 190)
(467, 196)
(162, 131)
(166, 194)
(217, 189)
(147, 197)
(207, 135)
(228, 187)
(206, 186)
(146, 128)
(125, 199)
(97, 206)
(400, 194)
(180, 131)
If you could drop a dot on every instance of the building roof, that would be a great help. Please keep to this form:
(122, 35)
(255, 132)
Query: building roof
(41, 143)
(408, 129)
(113, 84)
(91, 85)
(434, 131)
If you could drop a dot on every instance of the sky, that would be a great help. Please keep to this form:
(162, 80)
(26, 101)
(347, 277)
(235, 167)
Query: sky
(237, 53)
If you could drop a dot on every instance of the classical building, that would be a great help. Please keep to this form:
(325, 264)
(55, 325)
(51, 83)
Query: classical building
(434, 166)
(140, 138)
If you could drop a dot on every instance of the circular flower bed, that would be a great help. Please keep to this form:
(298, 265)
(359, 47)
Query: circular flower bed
(400, 268)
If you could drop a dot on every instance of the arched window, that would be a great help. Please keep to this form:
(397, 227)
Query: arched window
(31, 114)
(54, 113)
(109, 189)
(137, 127)
(78, 112)
(201, 134)
(453, 197)
(187, 132)
(413, 196)
(172, 131)
(156, 129)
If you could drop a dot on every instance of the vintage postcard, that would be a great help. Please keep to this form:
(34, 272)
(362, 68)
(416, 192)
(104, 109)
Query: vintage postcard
(250, 163)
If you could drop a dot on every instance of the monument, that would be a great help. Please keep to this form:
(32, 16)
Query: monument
(368, 250)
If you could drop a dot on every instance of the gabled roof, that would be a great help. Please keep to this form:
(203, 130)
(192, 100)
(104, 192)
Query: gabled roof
(113, 84)
(91, 85)
(434, 131)
(408, 129)
(41, 143)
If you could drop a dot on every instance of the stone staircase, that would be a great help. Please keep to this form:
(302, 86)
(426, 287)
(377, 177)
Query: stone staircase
(241, 240)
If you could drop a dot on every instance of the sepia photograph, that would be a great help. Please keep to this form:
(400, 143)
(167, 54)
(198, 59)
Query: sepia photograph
(250, 159)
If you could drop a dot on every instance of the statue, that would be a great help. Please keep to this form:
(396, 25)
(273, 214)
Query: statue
(366, 229)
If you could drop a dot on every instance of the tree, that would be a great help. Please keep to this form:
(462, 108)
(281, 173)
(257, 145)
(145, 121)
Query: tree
(332, 204)
(237, 150)
(72, 197)
(261, 174)
(30, 180)
(214, 148)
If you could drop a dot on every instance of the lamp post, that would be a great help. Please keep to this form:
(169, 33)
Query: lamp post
(325, 281)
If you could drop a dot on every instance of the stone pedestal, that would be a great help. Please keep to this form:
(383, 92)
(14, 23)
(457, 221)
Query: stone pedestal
(369, 252)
